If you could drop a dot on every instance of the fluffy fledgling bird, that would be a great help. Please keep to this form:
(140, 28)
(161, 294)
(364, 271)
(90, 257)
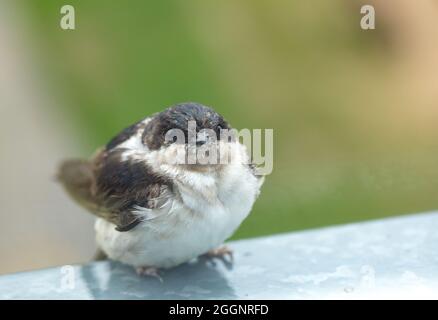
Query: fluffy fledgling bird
(154, 212)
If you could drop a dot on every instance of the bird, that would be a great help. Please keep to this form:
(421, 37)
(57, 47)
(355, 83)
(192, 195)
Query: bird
(153, 212)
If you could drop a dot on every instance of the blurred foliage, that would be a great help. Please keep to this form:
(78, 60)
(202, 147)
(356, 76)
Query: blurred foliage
(345, 148)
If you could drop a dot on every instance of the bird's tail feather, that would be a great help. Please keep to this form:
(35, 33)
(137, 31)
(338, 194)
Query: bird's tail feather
(76, 175)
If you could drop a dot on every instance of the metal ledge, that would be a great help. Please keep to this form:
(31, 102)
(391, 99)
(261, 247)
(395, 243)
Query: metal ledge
(389, 258)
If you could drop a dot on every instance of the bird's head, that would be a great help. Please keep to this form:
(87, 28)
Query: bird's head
(190, 135)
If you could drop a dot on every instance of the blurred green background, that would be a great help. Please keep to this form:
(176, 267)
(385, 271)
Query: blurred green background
(353, 111)
(305, 69)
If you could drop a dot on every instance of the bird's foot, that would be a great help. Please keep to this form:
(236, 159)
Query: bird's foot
(149, 272)
(221, 253)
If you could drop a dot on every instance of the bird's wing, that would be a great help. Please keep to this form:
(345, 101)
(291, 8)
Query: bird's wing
(122, 191)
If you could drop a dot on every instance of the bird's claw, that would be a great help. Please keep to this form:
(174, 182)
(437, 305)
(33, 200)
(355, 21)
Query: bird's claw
(149, 272)
(221, 253)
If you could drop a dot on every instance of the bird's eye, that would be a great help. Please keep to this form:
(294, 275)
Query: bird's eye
(171, 140)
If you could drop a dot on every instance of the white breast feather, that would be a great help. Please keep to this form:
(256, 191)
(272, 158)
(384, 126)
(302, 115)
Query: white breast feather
(210, 209)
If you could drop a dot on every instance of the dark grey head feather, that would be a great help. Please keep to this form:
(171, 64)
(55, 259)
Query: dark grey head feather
(177, 117)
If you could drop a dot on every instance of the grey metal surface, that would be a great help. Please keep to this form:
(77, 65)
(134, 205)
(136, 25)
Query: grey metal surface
(390, 258)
